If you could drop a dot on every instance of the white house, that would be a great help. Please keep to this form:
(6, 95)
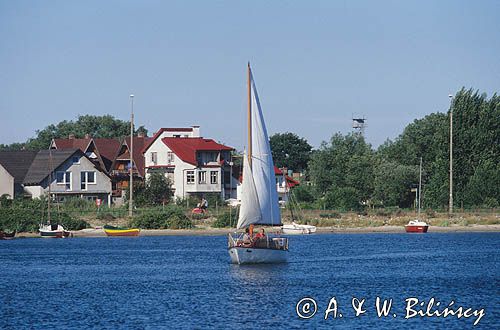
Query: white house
(194, 165)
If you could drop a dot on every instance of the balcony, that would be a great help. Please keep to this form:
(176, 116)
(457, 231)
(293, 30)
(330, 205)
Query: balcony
(124, 172)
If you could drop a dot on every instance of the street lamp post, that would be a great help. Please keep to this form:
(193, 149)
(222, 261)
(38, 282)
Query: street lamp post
(130, 204)
(450, 207)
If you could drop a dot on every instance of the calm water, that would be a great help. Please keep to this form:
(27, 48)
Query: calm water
(188, 282)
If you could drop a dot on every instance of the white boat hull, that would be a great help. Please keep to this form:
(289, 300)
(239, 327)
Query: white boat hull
(295, 229)
(243, 255)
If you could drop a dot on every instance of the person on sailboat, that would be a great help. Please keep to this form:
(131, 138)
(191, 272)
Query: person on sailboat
(261, 234)
(247, 238)
(260, 239)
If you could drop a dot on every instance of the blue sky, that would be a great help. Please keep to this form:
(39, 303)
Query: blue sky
(316, 63)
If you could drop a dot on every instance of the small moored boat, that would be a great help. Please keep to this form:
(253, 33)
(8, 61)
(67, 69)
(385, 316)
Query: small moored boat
(121, 231)
(298, 229)
(53, 231)
(416, 226)
(5, 235)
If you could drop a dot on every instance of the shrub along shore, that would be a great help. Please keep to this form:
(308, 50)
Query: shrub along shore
(84, 219)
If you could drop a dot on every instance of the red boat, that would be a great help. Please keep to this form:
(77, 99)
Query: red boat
(416, 226)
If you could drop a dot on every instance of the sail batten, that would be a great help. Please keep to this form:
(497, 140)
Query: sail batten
(262, 178)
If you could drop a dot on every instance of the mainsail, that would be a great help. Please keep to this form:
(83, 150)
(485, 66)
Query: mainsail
(259, 203)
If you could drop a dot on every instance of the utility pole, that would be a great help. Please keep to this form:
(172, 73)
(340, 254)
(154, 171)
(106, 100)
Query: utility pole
(131, 150)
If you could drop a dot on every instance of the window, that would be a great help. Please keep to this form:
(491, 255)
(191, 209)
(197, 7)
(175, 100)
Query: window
(190, 177)
(170, 157)
(64, 178)
(67, 180)
(202, 177)
(60, 177)
(213, 177)
(87, 178)
(154, 158)
(91, 177)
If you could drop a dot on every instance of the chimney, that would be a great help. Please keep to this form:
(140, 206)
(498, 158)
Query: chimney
(87, 136)
(196, 131)
(71, 136)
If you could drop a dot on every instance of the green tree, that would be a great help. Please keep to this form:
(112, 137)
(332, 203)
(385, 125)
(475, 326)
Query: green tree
(483, 188)
(342, 171)
(393, 183)
(436, 191)
(96, 126)
(289, 150)
(476, 143)
(157, 190)
(11, 147)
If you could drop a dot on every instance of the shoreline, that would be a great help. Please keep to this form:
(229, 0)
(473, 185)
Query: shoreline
(208, 231)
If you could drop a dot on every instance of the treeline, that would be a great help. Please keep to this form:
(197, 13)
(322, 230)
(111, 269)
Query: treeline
(105, 126)
(347, 174)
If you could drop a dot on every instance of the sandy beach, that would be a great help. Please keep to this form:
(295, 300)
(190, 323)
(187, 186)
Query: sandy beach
(209, 231)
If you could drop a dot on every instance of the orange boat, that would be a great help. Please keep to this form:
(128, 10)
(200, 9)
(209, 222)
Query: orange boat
(121, 231)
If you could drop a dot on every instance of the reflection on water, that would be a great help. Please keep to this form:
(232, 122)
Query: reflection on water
(257, 274)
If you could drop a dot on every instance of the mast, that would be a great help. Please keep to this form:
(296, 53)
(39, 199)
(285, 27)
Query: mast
(50, 183)
(130, 203)
(420, 188)
(249, 116)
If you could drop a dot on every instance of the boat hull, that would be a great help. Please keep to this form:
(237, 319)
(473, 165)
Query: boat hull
(51, 234)
(416, 229)
(122, 232)
(297, 229)
(4, 235)
(243, 255)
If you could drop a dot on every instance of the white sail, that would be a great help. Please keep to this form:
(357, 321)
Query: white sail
(262, 164)
(250, 209)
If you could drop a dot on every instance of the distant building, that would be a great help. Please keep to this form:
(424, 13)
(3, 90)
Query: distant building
(70, 173)
(120, 168)
(13, 168)
(101, 151)
(194, 165)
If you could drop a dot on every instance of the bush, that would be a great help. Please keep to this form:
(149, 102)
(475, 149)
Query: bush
(105, 215)
(303, 193)
(331, 215)
(69, 222)
(430, 213)
(78, 204)
(226, 219)
(171, 217)
(28, 220)
(382, 213)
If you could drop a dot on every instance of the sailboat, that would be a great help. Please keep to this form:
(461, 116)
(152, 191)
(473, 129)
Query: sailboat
(294, 228)
(259, 201)
(418, 226)
(125, 231)
(49, 230)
